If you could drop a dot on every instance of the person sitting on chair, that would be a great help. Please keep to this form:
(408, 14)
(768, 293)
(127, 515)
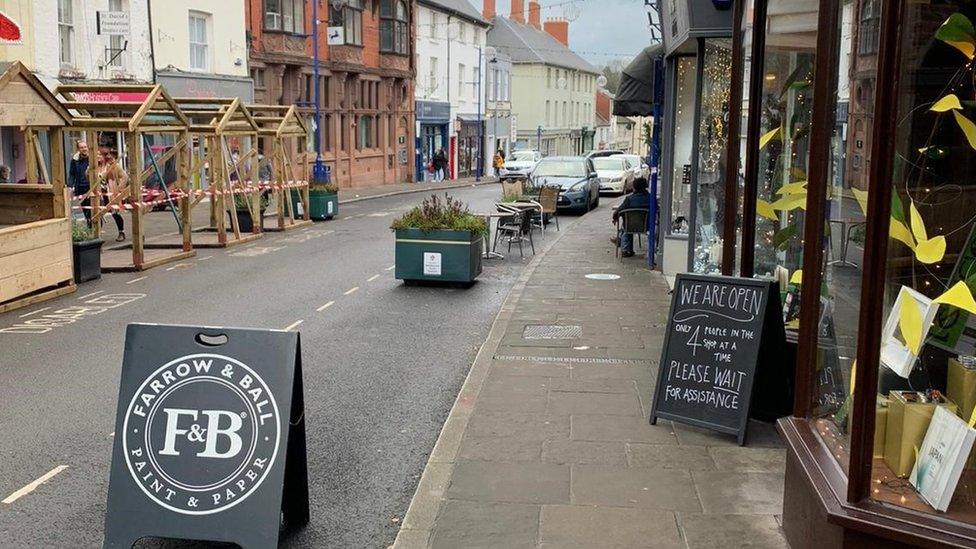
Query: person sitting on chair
(637, 199)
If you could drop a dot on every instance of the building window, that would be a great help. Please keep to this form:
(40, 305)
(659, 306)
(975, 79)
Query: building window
(432, 77)
(506, 85)
(393, 26)
(199, 49)
(353, 22)
(285, 16)
(66, 29)
(258, 76)
(434, 33)
(462, 32)
(460, 88)
(870, 27)
(548, 77)
(116, 42)
(366, 137)
(547, 112)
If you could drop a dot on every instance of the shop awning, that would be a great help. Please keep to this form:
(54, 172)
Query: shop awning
(635, 94)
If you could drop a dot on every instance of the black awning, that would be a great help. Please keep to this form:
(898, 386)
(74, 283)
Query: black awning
(635, 94)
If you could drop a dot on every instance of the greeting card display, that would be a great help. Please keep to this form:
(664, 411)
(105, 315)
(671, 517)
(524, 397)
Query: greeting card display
(941, 458)
(905, 330)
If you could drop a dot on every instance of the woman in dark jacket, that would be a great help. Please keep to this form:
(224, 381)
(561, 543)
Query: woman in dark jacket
(440, 165)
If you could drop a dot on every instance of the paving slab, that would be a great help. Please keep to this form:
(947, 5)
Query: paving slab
(510, 482)
(724, 531)
(577, 451)
(662, 489)
(479, 525)
(740, 493)
(587, 527)
(602, 427)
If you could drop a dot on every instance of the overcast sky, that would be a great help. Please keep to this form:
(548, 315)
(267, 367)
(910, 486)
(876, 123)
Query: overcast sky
(604, 30)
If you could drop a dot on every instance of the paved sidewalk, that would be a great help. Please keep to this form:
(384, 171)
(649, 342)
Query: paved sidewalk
(548, 443)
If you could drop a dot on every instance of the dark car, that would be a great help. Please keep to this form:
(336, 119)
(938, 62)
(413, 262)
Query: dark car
(575, 176)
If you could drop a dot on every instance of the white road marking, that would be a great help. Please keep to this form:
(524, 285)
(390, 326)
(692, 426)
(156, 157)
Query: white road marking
(293, 325)
(134, 280)
(372, 278)
(351, 290)
(324, 307)
(33, 485)
(34, 312)
(91, 294)
(390, 268)
(204, 258)
(180, 266)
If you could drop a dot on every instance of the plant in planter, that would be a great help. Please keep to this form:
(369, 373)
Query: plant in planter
(86, 251)
(243, 202)
(323, 200)
(440, 240)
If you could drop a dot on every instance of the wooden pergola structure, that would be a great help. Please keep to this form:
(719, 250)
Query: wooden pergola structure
(284, 129)
(219, 128)
(135, 111)
(35, 221)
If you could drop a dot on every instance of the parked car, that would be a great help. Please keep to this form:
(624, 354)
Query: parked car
(615, 173)
(519, 164)
(576, 177)
(637, 165)
(600, 154)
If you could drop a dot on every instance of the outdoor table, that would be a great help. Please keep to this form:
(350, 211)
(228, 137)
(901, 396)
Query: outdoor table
(489, 253)
(846, 226)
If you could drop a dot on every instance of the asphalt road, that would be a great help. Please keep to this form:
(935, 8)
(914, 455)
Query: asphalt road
(382, 366)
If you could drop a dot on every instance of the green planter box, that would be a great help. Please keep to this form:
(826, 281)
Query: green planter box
(321, 205)
(444, 256)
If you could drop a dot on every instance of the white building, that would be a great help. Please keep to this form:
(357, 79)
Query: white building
(200, 48)
(450, 97)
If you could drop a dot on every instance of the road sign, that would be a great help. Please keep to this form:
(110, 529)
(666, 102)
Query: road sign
(719, 330)
(112, 22)
(209, 436)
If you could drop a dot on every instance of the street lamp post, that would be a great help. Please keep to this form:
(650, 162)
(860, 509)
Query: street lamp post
(489, 51)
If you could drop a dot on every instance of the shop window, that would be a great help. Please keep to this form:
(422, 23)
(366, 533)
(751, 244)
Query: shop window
(712, 140)
(928, 369)
(786, 106)
(684, 122)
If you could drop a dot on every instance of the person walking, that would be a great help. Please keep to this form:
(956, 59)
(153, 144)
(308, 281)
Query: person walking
(497, 162)
(440, 165)
(113, 180)
(639, 199)
(78, 178)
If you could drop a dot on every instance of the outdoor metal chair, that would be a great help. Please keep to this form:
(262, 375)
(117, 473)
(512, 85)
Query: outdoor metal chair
(516, 228)
(630, 221)
(513, 188)
(548, 197)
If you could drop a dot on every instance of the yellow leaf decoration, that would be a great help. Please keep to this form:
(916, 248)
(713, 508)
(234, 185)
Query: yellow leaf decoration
(853, 377)
(972, 418)
(791, 202)
(918, 226)
(931, 251)
(947, 103)
(900, 232)
(794, 324)
(766, 210)
(862, 199)
(966, 48)
(793, 188)
(910, 323)
(967, 127)
(958, 296)
(797, 277)
(769, 136)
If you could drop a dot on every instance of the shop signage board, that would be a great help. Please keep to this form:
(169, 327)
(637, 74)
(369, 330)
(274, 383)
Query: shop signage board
(112, 23)
(720, 330)
(209, 437)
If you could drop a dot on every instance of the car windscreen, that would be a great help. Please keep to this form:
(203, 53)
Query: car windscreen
(560, 168)
(608, 163)
(523, 156)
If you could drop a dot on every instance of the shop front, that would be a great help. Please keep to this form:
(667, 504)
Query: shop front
(851, 161)
(433, 131)
(698, 58)
(470, 138)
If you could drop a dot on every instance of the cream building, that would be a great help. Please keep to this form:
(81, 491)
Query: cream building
(553, 88)
(200, 48)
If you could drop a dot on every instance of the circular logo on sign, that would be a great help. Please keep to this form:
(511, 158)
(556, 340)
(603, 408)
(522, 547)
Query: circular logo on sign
(201, 434)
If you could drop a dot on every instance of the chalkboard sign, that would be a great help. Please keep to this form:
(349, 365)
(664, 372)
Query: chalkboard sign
(209, 437)
(715, 338)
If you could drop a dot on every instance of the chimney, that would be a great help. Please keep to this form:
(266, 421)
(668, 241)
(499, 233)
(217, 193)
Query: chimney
(534, 14)
(518, 11)
(558, 28)
(488, 11)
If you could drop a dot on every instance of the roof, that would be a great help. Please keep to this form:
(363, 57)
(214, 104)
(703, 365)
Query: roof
(26, 100)
(526, 44)
(460, 8)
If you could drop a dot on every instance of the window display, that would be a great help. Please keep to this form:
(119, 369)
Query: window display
(684, 126)
(746, 29)
(712, 140)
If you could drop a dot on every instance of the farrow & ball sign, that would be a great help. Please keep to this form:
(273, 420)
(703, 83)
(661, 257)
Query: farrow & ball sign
(210, 434)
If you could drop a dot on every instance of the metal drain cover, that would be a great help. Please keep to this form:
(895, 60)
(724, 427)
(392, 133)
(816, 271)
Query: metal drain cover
(552, 331)
(602, 276)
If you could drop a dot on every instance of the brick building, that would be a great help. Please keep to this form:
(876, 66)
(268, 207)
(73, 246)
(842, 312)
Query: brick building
(366, 85)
